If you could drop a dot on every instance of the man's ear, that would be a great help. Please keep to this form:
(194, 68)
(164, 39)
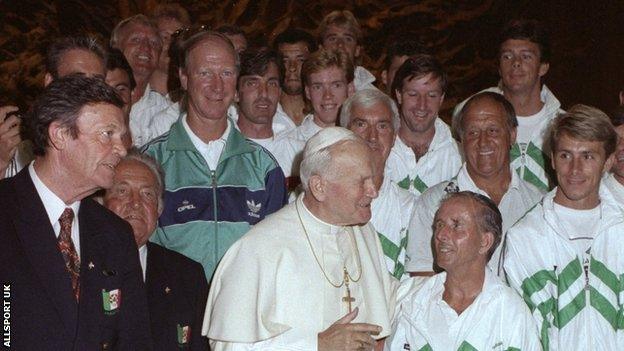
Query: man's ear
(47, 79)
(183, 78)
(58, 135)
(316, 187)
(543, 69)
(357, 51)
(609, 163)
(622, 97)
(384, 78)
(487, 240)
(397, 93)
(350, 89)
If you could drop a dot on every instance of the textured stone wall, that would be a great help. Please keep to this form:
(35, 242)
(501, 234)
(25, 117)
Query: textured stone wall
(586, 36)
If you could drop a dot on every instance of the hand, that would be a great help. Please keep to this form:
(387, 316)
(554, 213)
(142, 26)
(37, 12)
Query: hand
(9, 135)
(344, 335)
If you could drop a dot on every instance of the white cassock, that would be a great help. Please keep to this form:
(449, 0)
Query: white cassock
(269, 292)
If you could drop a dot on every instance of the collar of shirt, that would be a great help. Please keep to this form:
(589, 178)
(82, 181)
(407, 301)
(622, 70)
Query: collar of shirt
(212, 150)
(319, 225)
(54, 207)
(143, 259)
(465, 182)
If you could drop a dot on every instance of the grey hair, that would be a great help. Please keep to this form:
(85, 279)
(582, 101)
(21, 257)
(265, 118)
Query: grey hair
(317, 152)
(140, 19)
(366, 98)
(488, 218)
(154, 167)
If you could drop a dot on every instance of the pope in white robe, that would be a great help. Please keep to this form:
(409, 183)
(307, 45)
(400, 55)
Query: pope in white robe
(298, 272)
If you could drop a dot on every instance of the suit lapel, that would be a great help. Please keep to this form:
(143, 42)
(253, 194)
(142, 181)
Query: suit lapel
(40, 245)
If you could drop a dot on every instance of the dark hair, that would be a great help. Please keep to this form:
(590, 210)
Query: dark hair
(293, 36)
(117, 60)
(62, 100)
(418, 66)
(488, 218)
(617, 117)
(404, 46)
(62, 45)
(255, 61)
(510, 113)
(227, 29)
(173, 11)
(528, 29)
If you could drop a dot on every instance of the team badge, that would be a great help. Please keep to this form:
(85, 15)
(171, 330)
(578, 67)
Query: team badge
(111, 301)
(184, 334)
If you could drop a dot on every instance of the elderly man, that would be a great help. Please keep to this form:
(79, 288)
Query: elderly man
(466, 307)
(340, 30)
(424, 153)
(72, 266)
(374, 117)
(137, 37)
(565, 255)
(218, 182)
(176, 285)
(486, 128)
(294, 47)
(328, 81)
(65, 56)
(315, 268)
(524, 59)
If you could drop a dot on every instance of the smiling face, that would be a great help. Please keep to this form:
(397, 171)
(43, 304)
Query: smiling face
(342, 39)
(259, 95)
(209, 79)
(293, 56)
(374, 125)
(486, 140)
(141, 46)
(579, 166)
(134, 197)
(519, 65)
(420, 101)
(327, 90)
(91, 157)
(349, 187)
(459, 242)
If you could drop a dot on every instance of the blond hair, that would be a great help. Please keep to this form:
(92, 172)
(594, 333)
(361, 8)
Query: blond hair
(585, 123)
(323, 59)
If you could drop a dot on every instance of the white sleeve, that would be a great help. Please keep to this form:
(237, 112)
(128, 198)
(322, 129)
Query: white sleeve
(419, 254)
(291, 340)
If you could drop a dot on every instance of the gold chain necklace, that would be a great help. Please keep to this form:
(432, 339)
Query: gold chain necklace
(347, 277)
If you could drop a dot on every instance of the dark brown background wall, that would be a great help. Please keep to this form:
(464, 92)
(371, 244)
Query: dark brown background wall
(586, 36)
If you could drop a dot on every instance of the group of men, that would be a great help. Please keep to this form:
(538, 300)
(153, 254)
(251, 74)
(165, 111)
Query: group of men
(280, 201)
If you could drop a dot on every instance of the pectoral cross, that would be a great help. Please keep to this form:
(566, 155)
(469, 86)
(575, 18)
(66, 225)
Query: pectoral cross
(348, 299)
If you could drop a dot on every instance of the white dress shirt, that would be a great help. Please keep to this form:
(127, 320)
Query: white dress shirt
(54, 207)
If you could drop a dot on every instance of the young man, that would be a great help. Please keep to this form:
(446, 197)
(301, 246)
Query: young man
(565, 255)
(524, 56)
(399, 50)
(339, 30)
(294, 47)
(258, 96)
(328, 81)
(425, 152)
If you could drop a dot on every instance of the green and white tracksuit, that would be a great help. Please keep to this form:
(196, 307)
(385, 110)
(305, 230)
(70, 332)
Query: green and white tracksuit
(497, 320)
(575, 307)
(533, 162)
(207, 210)
(440, 163)
(391, 214)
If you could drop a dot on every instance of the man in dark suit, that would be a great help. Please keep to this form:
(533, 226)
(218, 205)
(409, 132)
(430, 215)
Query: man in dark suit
(72, 266)
(176, 285)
